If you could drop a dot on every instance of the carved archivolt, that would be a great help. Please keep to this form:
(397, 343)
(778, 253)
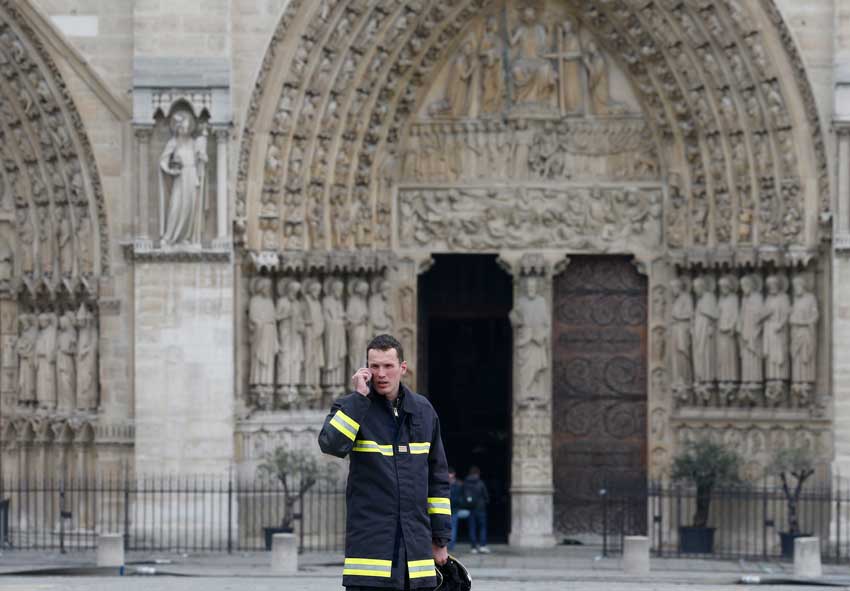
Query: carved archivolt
(338, 92)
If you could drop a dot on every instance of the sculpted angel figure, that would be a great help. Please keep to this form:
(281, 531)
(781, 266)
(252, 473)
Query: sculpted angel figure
(184, 162)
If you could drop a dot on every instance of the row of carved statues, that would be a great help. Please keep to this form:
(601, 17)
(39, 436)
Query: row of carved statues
(307, 340)
(742, 341)
(57, 355)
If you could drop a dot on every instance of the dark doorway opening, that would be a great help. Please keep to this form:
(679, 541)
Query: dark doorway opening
(465, 351)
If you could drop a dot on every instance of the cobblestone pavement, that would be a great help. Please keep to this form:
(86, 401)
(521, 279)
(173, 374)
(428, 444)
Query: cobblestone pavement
(332, 584)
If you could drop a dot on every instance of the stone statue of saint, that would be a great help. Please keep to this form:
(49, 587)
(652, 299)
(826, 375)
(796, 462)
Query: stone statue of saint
(64, 243)
(704, 332)
(85, 255)
(25, 348)
(682, 315)
(314, 330)
(262, 328)
(7, 263)
(532, 326)
(570, 58)
(334, 337)
(357, 316)
(804, 333)
(464, 82)
(727, 325)
(66, 350)
(380, 309)
(533, 74)
(45, 241)
(184, 161)
(26, 239)
(750, 339)
(597, 79)
(45, 361)
(777, 309)
(290, 320)
(492, 68)
(87, 358)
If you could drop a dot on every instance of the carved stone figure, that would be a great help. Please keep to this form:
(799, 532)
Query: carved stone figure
(66, 351)
(64, 243)
(532, 326)
(45, 361)
(804, 326)
(334, 335)
(357, 318)
(25, 348)
(777, 309)
(380, 309)
(85, 255)
(682, 314)
(45, 241)
(727, 341)
(492, 68)
(290, 360)
(750, 339)
(26, 239)
(87, 360)
(464, 83)
(262, 329)
(184, 161)
(533, 75)
(597, 79)
(314, 329)
(705, 329)
(570, 58)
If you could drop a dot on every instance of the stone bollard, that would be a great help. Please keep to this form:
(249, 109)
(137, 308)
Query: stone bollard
(110, 550)
(284, 554)
(636, 555)
(807, 558)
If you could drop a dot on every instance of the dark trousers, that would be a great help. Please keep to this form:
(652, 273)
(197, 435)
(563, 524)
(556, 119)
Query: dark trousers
(478, 527)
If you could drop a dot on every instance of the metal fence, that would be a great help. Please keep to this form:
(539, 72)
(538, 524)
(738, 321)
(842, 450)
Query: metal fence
(165, 514)
(747, 521)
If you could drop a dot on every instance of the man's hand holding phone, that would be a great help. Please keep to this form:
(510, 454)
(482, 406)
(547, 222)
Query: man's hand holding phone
(361, 379)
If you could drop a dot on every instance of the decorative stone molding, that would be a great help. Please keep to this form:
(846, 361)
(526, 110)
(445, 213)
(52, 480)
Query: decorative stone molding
(144, 252)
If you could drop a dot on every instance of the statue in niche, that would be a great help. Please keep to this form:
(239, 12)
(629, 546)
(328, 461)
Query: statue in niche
(777, 309)
(26, 240)
(750, 339)
(7, 263)
(290, 360)
(87, 375)
(597, 79)
(533, 74)
(682, 314)
(492, 68)
(570, 61)
(25, 348)
(727, 350)
(314, 330)
(184, 162)
(532, 326)
(45, 361)
(804, 326)
(85, 256)
(262, 330)
(357, 318)
(66, 349)
(380, 308)
(704, 332)
(45, 241)
(464, 83)
(63, 241)
(334, 335)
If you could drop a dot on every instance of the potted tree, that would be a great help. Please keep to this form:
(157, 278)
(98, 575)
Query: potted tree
(297, 471)
(787, 463)
(706, 465)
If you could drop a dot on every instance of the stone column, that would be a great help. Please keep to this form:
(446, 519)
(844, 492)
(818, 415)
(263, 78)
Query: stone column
(404, 311)
(532, 486)
(143, 141)
(221, 214)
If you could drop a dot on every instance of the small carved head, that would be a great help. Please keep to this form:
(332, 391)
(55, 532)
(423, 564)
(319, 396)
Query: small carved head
(676, 287)
(801, 285)
(699, 286)
(182, 123)
(531, 287)
(45, 320)
(361, 287)
(772, 283)
(293, 289)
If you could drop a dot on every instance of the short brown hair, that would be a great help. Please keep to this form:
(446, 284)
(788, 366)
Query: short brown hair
(385, 342)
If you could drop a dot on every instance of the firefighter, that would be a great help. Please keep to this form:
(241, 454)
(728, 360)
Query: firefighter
(399, 515)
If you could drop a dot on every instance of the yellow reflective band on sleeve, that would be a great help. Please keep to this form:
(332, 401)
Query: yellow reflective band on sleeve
(345, 425)
(439, 506)
(420, 448)
(368, 567)
(418, 569)
(362, 445)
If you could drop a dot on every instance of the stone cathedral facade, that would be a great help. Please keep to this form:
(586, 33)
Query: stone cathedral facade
(208, 207)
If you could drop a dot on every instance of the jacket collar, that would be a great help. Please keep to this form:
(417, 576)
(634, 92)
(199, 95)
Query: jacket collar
(406, 403)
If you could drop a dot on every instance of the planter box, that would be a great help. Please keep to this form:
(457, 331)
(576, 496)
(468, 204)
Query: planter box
(696, 540)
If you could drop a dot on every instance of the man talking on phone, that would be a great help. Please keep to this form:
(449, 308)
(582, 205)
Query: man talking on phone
(399, 516)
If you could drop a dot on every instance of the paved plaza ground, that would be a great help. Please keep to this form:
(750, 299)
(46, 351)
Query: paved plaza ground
(507, 569)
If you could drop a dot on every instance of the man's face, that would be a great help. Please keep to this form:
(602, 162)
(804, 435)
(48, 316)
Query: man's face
(386, 370)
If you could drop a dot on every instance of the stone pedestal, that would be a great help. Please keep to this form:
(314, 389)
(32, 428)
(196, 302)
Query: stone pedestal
(110, 550)
(636, 555)
(284, 557)
(531, 518)
(807, 558)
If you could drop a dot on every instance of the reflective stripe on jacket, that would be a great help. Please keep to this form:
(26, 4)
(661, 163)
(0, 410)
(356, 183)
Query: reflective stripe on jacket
(397, 491)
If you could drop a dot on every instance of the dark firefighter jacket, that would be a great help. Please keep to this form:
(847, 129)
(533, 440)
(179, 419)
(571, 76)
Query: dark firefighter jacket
(397, 494)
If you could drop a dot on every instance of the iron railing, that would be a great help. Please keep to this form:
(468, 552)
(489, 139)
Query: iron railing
(747, 520)
(165, 514)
